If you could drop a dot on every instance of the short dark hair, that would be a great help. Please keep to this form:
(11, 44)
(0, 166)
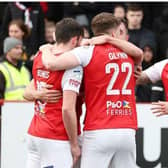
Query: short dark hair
(134, 7)
(66, 29)
(104, 21)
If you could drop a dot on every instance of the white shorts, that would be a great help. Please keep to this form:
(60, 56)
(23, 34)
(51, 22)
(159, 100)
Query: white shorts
(109, 148)
(47, 153)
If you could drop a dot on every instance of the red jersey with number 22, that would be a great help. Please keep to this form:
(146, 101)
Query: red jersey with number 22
(109, 89)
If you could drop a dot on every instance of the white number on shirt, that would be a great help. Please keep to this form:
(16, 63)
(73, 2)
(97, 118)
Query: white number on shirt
(40, 85)
(124, 66)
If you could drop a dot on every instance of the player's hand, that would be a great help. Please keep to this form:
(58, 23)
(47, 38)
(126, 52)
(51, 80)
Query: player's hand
(48, 95)
(160, 108)
(76, 152)
(137, 71)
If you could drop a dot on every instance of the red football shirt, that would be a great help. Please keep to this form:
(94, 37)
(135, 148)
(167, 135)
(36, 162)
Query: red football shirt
(109, 87)
(47, 121)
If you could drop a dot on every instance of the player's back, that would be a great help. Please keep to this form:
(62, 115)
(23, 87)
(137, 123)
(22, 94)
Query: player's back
(47, 121)
(109, 89)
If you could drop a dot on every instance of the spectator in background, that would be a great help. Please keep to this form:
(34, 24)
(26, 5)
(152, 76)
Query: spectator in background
(32, 16)
(14, 76)
(160, 28)
(2, 7)
(119, 11)
(86, 32)
(49, 32)
(137, 33)
(82, 12)
(53, 11)
(19, 30)
(149, 92)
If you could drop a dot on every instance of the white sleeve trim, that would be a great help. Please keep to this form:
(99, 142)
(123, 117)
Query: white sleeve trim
(83, 54)
(155, 71)
(72, 79)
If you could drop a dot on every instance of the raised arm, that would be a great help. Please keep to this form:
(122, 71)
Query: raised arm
(65, 61)
(124, 45)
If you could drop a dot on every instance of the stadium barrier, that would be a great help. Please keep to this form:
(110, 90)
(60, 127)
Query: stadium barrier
(151, 138)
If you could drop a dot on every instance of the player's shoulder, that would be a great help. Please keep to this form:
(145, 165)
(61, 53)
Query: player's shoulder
(86, 47)
(161, 63)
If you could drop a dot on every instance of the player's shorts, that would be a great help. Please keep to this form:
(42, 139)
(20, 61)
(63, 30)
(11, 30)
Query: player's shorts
(109, 148)
(47, 153)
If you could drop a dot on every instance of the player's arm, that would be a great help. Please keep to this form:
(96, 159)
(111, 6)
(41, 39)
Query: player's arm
(78, 56)
(152, 74)
(65, 61)
(70, 122)
(124, 45)
(71, 82)
(46, 94)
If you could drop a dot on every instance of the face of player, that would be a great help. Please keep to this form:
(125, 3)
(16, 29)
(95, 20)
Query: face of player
(16, 32)
(134, 18)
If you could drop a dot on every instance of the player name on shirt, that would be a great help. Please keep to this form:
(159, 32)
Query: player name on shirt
(43, 73)
(118, 55)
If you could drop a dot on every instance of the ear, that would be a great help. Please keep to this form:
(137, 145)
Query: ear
(54, 38)
(127, 37)
(121, 31)
(112, 34)
(74, 40)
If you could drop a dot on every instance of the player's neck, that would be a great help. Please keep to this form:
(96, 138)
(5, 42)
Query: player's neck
(61, 48)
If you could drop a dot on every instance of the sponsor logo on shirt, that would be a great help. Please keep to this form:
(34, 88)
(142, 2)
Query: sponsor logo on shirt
(126, 104)
(40, 108)
(118, 108)
(74, 83)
